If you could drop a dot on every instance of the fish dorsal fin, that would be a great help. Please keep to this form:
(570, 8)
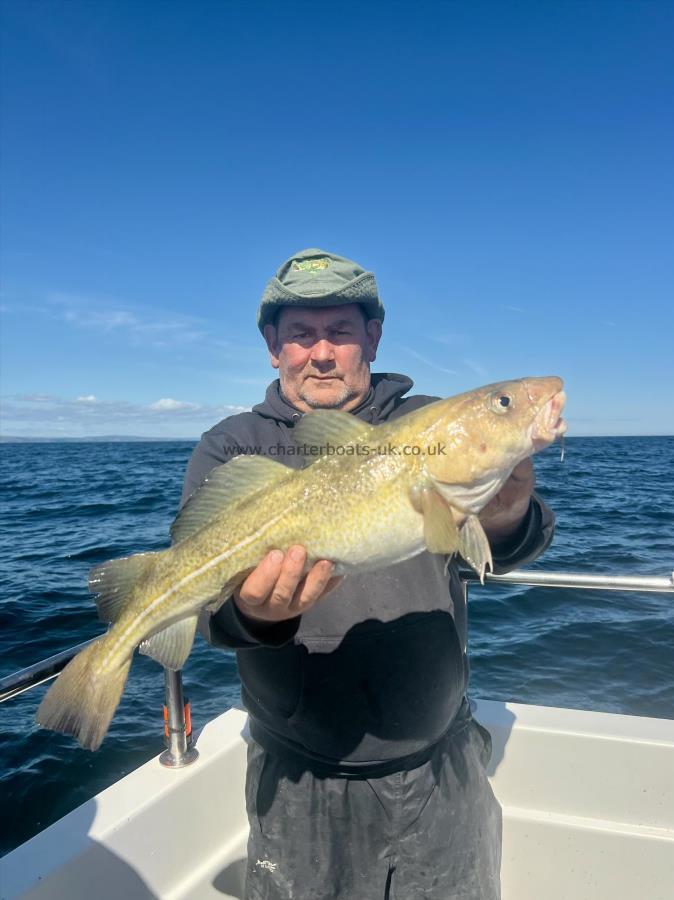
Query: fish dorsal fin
(171, 646)
(241, 477)
(441, 534)
(114, 580)
(324, 427)
(474, 546)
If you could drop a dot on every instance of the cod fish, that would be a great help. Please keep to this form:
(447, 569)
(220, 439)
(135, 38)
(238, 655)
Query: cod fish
(371, 497)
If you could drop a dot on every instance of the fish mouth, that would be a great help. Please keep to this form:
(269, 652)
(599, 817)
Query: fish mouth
(548, 424)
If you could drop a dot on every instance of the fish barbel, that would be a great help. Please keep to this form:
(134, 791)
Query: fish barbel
(371, 497)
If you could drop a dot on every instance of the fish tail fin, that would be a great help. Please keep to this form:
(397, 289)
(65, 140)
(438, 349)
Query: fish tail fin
(83, 699)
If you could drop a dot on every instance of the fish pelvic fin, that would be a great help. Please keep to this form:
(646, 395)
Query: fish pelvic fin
(114, 580)
(83, 699)
(172, 645)
(474, 546)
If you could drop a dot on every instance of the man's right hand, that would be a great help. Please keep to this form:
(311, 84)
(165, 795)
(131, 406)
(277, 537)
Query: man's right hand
(277, 590)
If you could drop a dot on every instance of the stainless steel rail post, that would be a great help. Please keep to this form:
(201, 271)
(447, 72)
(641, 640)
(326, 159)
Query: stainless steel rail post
(179, 752)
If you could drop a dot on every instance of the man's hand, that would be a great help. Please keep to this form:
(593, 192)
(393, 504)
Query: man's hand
(276, 590)
(502, 516)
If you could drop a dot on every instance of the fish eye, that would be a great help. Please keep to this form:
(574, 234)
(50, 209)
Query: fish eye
(501, 403)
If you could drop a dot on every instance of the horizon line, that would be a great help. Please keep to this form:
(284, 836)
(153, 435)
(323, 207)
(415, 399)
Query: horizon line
(23, 439)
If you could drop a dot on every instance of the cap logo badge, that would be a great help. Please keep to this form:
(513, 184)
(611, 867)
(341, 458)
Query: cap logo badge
(312, 266)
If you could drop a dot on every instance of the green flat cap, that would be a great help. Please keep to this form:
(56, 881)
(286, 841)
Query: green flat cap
(317, 278)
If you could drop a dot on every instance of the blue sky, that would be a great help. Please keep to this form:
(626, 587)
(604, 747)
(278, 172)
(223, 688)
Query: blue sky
(504, 168)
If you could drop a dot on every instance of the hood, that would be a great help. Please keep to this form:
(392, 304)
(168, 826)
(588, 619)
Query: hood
(385, 389)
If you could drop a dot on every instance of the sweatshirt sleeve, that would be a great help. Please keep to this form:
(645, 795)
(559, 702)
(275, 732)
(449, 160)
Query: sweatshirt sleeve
(228, 627)
(531, 539)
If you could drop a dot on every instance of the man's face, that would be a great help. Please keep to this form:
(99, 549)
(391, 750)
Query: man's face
(323, 355)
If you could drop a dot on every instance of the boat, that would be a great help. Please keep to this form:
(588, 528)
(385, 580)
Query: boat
(587, 798)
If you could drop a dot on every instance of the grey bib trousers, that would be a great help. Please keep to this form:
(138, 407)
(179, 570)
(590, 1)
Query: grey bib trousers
(433, 831)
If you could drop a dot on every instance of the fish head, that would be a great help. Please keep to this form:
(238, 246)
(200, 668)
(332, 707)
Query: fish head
(488, 431)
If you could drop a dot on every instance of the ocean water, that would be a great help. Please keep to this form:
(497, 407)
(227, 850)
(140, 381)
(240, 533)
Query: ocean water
(68, 506)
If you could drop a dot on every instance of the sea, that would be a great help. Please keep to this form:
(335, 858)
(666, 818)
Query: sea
(66, 506)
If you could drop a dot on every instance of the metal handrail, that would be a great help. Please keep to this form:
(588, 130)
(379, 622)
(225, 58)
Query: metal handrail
(180, 753)
(38, 673)
(579, 580)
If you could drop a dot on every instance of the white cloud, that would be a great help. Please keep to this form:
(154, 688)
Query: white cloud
(41, 415)
(139, 326)
(142, 327)
(451, 340)
(428, 362)
(474, 366)
(36, 398)
(166, 404)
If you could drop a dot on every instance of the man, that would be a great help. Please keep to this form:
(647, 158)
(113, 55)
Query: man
(366, 772)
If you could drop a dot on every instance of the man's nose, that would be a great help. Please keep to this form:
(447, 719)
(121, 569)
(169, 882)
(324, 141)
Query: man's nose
(323, 351)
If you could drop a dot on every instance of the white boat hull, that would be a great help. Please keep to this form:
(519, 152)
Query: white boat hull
(588, 813)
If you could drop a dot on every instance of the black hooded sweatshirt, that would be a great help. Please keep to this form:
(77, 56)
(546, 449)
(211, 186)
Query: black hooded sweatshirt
(372, 676)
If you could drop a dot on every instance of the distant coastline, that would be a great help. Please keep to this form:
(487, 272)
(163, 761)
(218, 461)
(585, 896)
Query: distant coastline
(129, 439)
(102, 439)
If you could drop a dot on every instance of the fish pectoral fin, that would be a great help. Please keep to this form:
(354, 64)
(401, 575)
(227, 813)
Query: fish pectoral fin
(171, 646)
(441, 534)
(474, 546)
(241, 477)
(114, 580)
(330, 426)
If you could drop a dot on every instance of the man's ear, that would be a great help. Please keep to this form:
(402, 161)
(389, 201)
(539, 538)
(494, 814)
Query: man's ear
(271, 339)
(373, 329)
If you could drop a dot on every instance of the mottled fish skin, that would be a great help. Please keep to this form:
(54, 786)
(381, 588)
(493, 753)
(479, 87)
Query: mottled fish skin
(375, 506)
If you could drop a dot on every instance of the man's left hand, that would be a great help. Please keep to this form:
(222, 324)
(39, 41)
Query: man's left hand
(503, 515)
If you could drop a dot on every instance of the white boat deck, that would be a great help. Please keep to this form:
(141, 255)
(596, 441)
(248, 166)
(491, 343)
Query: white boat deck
(588, 802)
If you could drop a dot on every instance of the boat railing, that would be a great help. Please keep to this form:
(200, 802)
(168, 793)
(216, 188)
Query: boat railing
(180, 751)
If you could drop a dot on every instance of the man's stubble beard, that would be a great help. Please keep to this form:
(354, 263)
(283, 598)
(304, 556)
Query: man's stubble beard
(335, 403)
